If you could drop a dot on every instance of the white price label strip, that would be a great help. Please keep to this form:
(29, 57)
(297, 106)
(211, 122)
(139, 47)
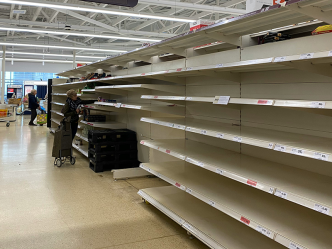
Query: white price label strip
(189, 191)
(220, 135)
(322, 209)
(219, 171)
(189, 98)
(299, 152)
(317, 104)
(321, 156)
(264, 231)
(292, 245)
(265, 102)
(271, 190)
(306, 56)
(212, 203)
(219, 65)
(281, 194)
(223, 100)
(204, 132)
(118, 105)
(280, 147)
(330, 53)
(237, 139)
(280, 59)
(270, 145)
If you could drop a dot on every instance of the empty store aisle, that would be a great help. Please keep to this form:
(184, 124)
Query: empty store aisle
(43, 206)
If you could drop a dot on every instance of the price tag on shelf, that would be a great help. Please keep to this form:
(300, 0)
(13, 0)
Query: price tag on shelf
(270, 146)
(223, 100)
(187, 226)
(179, 186)
(264, 231)
(271, 190)
(317, 104)
(279, 59)
(200, 164)
(118, 105)
(292, 245)
(321, 156)
(265, 102)
(296, 151)
(188, 129)
(280, 147)
(306, 56)
(237, 139)
(322, 209)
(189, 68)
(179, 126)
(179, 69)
(281, 194)
(219, 65)
(189, 191)
(245, 220)
(170, 125)
(204, 132)
(330, 53)
(168, 151)
(220, 135)
(219, 171)
(143, 119)
(212, 203)
(142, 142)
(189, 98)
(251, 183)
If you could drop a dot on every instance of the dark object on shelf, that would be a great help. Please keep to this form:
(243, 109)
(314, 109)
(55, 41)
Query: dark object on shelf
(113, 156)
(95, 118)
(113, 147)
(117, 135)
(126, 3)
(107, 166)
(273, 37)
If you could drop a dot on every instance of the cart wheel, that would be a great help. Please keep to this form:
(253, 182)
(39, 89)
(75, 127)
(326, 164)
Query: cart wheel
(72, 161)
(59, 162)
(8, 124)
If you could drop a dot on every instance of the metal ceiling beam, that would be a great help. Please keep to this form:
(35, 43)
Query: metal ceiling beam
(56, 13)
(194, 6)
(85, 28)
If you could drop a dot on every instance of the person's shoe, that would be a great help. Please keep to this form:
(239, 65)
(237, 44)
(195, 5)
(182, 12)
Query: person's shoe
(32, 124)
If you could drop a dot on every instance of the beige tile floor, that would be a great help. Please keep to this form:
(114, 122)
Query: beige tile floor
(42, 206)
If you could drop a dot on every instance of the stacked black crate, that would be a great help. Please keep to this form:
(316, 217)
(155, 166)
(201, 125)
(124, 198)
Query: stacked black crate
(112, 149)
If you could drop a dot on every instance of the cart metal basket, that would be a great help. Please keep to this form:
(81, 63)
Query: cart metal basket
(8, 114)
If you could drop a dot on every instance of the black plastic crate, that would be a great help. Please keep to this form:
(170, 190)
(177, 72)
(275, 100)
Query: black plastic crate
(113, 156)
(107, 166)
(95, 118)
(112, 147)
(111, 136)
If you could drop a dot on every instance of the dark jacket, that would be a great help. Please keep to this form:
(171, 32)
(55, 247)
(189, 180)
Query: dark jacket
(68, 112)
(33, 104)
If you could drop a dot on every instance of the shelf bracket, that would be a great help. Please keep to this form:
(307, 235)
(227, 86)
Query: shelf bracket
(178, 51)
(322, 69)
(176, 80)
(312, 11)
(231, 39)
(234, 77)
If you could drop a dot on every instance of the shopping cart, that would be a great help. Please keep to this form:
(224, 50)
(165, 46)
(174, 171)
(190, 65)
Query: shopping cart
(62, 146)
(7, 114)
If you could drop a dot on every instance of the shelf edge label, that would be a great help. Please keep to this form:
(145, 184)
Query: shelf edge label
(245, 220)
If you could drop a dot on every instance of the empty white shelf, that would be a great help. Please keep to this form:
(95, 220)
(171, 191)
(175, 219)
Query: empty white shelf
(88, 90)
(82, 148)
(57, 103)
(56, 112)
(107, 124)
(57, 121)
(78, 134)
(282, 219)
(171, 109)
(301, 145)
(179, 98)
(308, 189)
(207, 224)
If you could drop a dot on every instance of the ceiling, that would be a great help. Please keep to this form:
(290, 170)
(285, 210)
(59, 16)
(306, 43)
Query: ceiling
(94, 22)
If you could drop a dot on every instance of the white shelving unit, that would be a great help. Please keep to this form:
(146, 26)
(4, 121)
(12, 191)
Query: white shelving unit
(83, 149)
(107, 124)
(242, 131)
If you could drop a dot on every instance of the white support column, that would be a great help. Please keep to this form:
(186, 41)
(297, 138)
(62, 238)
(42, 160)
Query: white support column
(74, 59)
(3, 74)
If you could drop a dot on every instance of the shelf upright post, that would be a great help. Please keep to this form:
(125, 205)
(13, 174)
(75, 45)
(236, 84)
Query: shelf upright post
(3, 74)
(74, 59)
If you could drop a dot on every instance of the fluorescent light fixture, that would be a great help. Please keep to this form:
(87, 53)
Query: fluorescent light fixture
(52, 61)
(95, 10)
(78, 34)
(61, 47)
(55, 55)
